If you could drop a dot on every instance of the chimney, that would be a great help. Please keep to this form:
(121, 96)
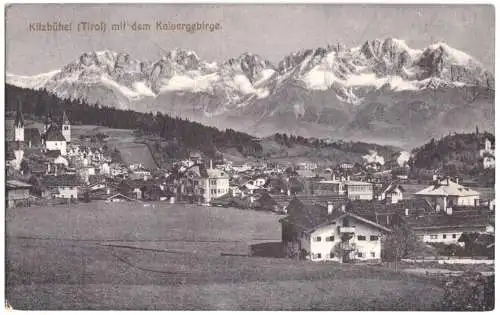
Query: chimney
(457, 180)
(449, 211)
(210, 163)
(434, 177)
(406, 212)
(330, 207)
(342, 208)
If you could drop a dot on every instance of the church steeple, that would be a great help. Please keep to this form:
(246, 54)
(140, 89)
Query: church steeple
(66, 127)
(47, 122)
(19, 124)
(65, 120)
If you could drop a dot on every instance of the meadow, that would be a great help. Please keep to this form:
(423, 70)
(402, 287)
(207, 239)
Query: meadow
(157, 256)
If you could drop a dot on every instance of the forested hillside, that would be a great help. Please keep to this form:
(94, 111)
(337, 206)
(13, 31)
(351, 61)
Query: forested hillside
(454, 155)
(184, 135)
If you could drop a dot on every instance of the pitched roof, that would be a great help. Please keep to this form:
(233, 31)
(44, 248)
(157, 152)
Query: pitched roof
(54, 134)
(53, 153)
(457, 219)
(392, 187)
(216, 173)
(19, 122)
(10, 154)
(61, 180)
(309, 217)
(121, 196)
(447, 187)
(65, 120)
(16, 184)
(33, 135)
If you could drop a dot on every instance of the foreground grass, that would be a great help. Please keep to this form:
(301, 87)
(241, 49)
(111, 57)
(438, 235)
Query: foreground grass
(105, 256)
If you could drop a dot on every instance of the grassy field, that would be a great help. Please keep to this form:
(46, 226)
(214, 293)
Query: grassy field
(172, 257)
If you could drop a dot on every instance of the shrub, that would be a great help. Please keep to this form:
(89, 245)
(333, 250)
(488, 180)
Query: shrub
(470, 292)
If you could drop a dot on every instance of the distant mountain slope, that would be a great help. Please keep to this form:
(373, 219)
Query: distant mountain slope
(173, 138)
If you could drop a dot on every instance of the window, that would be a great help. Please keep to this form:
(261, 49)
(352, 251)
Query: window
(317, 238)
(373, 254)
(453, 235)
(420, 237)
(444, 236)
(361, 238)
(332, 255)
(330, 238)
(434, 237)
(360, 255)
(318, 256)
(373, 238)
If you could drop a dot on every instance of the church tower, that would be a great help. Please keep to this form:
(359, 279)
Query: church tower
(19, 125)
(66, 127)
(47, 123)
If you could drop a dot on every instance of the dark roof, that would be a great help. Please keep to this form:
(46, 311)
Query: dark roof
(53, 153)
(477, 238)
(457, 219)
(65, 120)
(419, 205)
(19, 122)
(392, 186)
(284, 200)
(307, 217)
(54, 134)
(33, 135)
(61, 180)
(10, 154)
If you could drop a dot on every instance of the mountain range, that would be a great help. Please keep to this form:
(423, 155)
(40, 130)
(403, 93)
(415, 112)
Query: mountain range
(382, 90)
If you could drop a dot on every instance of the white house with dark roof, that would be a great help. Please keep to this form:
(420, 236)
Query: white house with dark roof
(446, 193)
(448, 227)
(322, 233)
(392, 193)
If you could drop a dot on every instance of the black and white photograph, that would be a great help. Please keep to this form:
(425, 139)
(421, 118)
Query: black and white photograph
(249, 157)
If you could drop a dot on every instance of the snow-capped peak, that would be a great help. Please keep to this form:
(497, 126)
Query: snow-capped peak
(387, 63)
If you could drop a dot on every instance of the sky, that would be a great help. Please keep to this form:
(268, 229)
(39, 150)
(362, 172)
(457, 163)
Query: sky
(272, 31)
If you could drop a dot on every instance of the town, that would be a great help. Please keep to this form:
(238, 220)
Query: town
(338, 213)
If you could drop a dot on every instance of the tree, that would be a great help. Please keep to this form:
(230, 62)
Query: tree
(401, 243)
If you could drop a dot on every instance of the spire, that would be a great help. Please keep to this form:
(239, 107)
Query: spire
(65, 120)
(19, 116)
(48, 118)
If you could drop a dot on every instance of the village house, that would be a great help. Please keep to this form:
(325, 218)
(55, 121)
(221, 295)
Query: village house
(119, 198)
(63, 186)
(321, 233)
(448, 227)
(392, 193)
(488, 154)
(446, 193)
(215, 184)
(18, 193)
(354, 190)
